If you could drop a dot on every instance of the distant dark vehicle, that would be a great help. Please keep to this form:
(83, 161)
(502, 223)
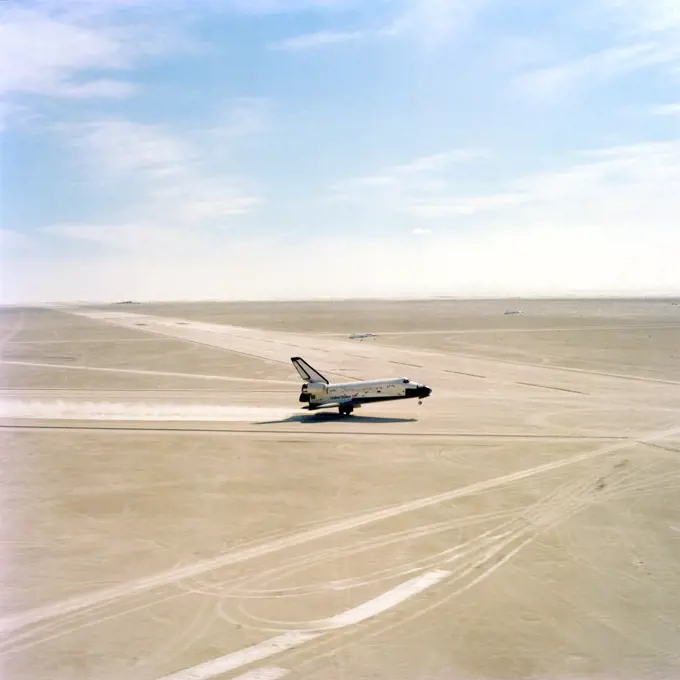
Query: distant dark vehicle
(126, 302)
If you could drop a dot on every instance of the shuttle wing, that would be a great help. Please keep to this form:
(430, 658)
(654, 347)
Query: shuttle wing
(331, 404)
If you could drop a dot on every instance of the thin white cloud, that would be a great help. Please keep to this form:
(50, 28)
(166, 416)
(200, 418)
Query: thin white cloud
(199, 200)
(133, 237)
(243, 117)
(104, 88)
(287, 6)
(625, 187)
(255, 7)
(317, 39)
(168, 173)
(5, 112)
(433, 22)
(429, 22)
(371, 181)
(556, 82)
(420, 231)
(637, 35)
(666, 110)
(46, 54)
(424, 164)
(11, 239)
(469, 205)
(642, 16)
(440, 161)
(119, 146)
(399, 182)
(114, 235)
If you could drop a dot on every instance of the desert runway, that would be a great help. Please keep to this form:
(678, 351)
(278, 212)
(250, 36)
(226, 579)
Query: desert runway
(169, 512)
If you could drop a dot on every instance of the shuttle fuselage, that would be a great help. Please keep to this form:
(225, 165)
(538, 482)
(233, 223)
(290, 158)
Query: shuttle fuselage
(317, 392)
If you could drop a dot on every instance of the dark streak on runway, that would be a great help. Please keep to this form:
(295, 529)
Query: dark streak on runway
(663, 448)
(470, 375)
(586, 371)
(231, 430)
(550, 387)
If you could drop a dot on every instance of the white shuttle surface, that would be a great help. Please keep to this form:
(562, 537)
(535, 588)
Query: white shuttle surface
(318, 393)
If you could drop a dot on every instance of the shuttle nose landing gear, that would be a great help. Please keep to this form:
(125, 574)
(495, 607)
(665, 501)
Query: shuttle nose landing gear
(345, 410)
(423, 392)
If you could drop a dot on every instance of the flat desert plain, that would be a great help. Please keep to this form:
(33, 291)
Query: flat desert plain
(169, 513)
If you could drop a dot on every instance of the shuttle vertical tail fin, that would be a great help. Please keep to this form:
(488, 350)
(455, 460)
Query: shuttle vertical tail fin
(307, 373)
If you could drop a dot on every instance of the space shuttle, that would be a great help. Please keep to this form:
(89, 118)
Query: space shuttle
(317, 392)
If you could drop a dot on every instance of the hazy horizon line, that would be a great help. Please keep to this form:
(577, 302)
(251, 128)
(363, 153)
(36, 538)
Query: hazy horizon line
(461, 298)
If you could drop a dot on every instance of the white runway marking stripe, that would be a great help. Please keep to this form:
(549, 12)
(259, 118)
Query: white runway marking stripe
(286, 641)
(110, 410)
(387, 600)
(230, 662)
(263, 674)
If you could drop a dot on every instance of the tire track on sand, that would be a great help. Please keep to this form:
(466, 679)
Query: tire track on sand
(18, 621)
(484, 560)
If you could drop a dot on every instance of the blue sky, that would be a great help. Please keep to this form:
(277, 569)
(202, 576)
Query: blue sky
(311, 148)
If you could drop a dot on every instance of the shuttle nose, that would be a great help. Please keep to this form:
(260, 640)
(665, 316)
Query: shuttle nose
(424, 391)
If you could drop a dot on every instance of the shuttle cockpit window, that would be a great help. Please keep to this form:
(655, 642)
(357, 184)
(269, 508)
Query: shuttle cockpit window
(405, 380)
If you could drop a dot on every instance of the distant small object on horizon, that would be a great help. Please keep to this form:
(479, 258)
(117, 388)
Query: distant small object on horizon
(512, 312)
(361, 336)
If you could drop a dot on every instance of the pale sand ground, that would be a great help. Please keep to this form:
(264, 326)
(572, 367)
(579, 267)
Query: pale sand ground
(550, 496)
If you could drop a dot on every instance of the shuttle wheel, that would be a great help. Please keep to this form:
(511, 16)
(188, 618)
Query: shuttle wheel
(345, 410)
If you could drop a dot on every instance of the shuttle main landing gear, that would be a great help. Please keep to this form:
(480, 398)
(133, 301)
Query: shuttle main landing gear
(345, 410)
